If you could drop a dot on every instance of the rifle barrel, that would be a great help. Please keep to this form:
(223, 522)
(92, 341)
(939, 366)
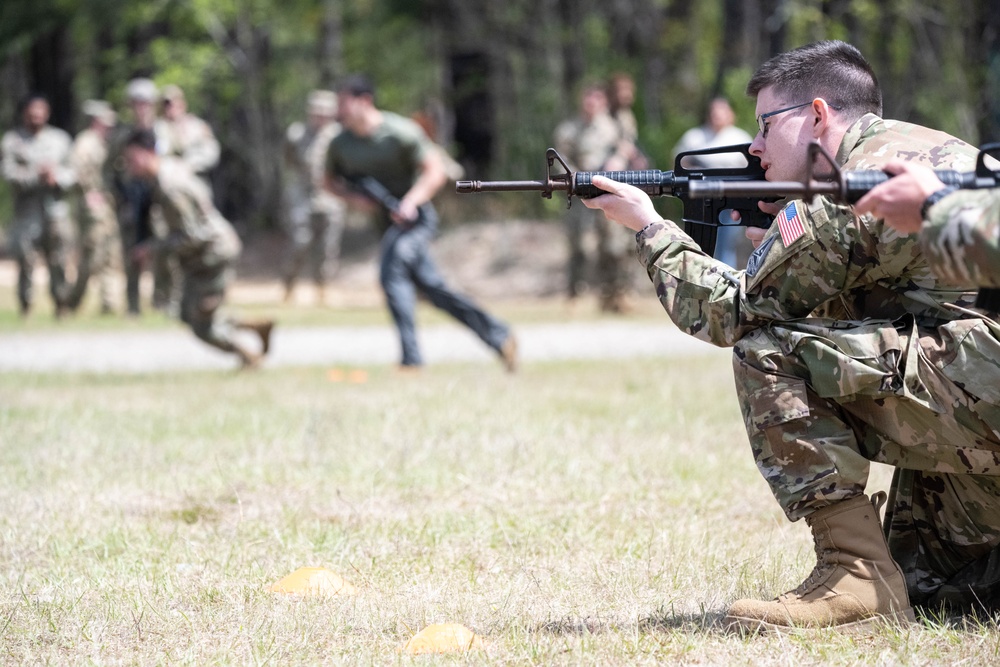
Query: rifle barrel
(716, 189)
(509, 186)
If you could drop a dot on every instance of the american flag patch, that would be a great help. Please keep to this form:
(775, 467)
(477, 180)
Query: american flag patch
(789, 224)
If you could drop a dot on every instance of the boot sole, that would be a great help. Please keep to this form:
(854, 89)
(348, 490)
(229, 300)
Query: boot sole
(753, 626)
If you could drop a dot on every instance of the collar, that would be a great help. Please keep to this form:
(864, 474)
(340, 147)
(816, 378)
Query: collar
(861, 131)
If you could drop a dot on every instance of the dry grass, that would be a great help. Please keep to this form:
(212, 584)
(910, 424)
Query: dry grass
(599, 513)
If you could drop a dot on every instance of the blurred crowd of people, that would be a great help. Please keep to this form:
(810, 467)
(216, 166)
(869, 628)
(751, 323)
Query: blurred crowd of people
(604, 137)
(125, 196)
(94, 210)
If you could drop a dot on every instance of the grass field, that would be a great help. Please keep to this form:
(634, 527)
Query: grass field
(580, 513)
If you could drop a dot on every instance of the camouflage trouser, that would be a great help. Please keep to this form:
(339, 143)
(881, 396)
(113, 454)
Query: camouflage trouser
(52, 235)
(615, 252)
(315, 236)
(821, 399)
(203, 294)
(99, 239)
(166, 269)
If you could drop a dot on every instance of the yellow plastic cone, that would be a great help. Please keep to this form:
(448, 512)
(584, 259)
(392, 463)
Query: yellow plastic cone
(314, 581)
(443, 638)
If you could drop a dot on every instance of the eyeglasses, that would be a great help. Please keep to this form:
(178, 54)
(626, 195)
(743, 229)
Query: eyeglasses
(762, 119)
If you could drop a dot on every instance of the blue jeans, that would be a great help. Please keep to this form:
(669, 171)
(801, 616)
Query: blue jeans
(405, 267)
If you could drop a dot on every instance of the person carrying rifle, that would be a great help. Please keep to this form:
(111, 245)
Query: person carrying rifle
(394, 151)
(847, 349)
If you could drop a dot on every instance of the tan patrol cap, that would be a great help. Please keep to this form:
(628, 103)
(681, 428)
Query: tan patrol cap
(172, 92)
(142, 90)
(100, 110)
(322, 102)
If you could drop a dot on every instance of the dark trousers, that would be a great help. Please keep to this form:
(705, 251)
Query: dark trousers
(405, 267)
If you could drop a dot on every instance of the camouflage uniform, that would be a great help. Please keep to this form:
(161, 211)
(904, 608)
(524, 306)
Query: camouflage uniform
(206, 247)
(847, 350)
(961, 238)
(191, 139)
(131, 194)
(41, 213)
(315, 216)
(588, 146)
(98, 222)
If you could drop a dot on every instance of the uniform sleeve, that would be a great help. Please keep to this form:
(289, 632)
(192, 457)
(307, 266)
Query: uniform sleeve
(18, 172)
(787, 277)
(317, 156)
(961, 238)
(64, 171)
(88, 171)
(187, 207)
(202, 152)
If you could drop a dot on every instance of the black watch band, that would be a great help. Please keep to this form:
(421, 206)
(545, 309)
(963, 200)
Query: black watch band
(934, 198)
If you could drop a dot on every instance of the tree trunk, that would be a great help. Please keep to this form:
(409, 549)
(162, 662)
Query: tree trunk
(330, 45)
(52, 74)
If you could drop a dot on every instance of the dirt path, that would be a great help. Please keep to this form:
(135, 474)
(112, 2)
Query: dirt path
(136, 352)
(490, 261)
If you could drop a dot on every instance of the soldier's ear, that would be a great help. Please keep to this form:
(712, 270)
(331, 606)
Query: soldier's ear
(822, 117)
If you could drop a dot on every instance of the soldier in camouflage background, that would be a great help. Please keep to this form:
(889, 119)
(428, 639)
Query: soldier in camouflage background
(594, 141)
(36, 163)
(959, 230)
(315, 215)
(184, 135)
(98, 222)
(847, 349)
(132, 195)
(204, 242)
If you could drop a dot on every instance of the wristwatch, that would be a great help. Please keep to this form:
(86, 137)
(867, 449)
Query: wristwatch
(934, 198)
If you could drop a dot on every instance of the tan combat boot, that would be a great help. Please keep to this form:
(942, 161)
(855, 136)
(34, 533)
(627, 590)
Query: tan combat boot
(249, 361)
(263, 329)
(508, 353)
(855, 583)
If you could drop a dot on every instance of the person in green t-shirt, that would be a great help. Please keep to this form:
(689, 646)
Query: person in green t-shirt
(394, 160)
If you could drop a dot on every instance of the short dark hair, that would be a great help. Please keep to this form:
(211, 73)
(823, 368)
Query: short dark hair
(142, 138)
(32, 97)
(833, 70)
(357, 85)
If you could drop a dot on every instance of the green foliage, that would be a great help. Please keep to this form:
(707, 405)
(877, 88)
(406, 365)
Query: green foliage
(240, 60)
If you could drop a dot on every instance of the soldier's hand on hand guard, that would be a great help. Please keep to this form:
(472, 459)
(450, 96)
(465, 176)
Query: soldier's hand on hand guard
(625, 204)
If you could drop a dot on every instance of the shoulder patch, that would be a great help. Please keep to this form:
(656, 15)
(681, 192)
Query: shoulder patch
(757, 258)
(789, 224)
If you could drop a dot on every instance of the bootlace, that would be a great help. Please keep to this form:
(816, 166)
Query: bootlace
(819, 572)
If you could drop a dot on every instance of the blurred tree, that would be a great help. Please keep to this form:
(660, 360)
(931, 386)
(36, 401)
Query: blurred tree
(498, 77)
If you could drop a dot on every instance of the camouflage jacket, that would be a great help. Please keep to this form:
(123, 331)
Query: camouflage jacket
(24, 154)
(961, 238)
(189, 138)
(589, 145)
(305, 162)
(196, 230)
(89, 153)
(828, 261)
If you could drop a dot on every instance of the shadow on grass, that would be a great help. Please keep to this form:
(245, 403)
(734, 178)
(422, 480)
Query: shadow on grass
(666, 620)
(662, 620)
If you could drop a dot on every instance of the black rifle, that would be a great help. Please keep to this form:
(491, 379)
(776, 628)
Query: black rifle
(849, 186)
(374, 190)
(701, 217)
(378, 193)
